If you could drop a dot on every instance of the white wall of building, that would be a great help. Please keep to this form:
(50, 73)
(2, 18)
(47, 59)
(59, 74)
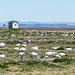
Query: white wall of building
(15, 25)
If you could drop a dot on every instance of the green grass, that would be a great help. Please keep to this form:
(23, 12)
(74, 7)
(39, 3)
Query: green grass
(14, 29)
(0, 53)
(7, 50)
(5, 64)
(39, 63)
(46, 64)
(26, 70)
(13, 42)
(66, 61)
(45, 44)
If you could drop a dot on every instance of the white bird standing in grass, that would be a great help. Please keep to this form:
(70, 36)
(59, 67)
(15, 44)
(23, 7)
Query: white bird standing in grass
(69, 49)
(16, 48)
(23, 49)
(24, 45)
(24, 42)
(21, 53)
(13, 35)
(2, 56)
(29, 41)
(33, 54)
(50, 53)
(72, 35)
(60, 55)
(54, 48)
(2, 44)
(34, 48)
(17, 45)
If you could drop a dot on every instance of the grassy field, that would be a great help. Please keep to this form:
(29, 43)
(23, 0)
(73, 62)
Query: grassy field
(45, 39)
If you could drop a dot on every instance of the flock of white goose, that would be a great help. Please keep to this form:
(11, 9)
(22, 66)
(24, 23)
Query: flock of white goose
(23, 45)
(45, 55)
(33, 54)
(24, 49)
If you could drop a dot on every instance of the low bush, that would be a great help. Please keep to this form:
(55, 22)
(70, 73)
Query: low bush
(3, 49)
(27, 70)
(14, 29)
(3, 66)
(45, 63)
(64, 60)
(9, 51)
(33, 63)
(13, 62)
(40, 63)
(12, 42)
(60, 48)
(0, 53)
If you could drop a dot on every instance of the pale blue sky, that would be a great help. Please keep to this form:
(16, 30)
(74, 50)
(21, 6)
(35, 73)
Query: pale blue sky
(38, 10)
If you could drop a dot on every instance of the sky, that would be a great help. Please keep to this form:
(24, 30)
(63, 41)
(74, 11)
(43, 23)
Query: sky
(37, 10)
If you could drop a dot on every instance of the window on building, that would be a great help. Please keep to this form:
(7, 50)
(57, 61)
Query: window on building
(15, 24)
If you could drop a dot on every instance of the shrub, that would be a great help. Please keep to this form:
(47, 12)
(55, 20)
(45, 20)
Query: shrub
(13, 62)
(13, 42)
(41, 63)
(10, 51)
(45, 63)
(33, 62)
(3, 66)
(14, 29)
(64, 60)
(27, 70)
(4, 50)
(60, 48)
(1, 53)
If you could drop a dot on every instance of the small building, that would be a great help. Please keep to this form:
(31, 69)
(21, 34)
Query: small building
(13, 24)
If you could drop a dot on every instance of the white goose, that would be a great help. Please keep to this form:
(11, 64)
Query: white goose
(54, 48)
(2, 56)
(16, 48)
(24, 45)
(69, 49)
(21, 54)
(50, 53)
(23, 49)
(60, 55)
(17, 45)
(2, 44)
(34, 48)
(33, 54)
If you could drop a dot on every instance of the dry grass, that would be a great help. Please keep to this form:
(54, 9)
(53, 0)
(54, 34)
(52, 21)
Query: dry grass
(45, 44)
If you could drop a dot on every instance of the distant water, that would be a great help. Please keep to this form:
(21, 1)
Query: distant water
(42, 25)
(45, 25)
